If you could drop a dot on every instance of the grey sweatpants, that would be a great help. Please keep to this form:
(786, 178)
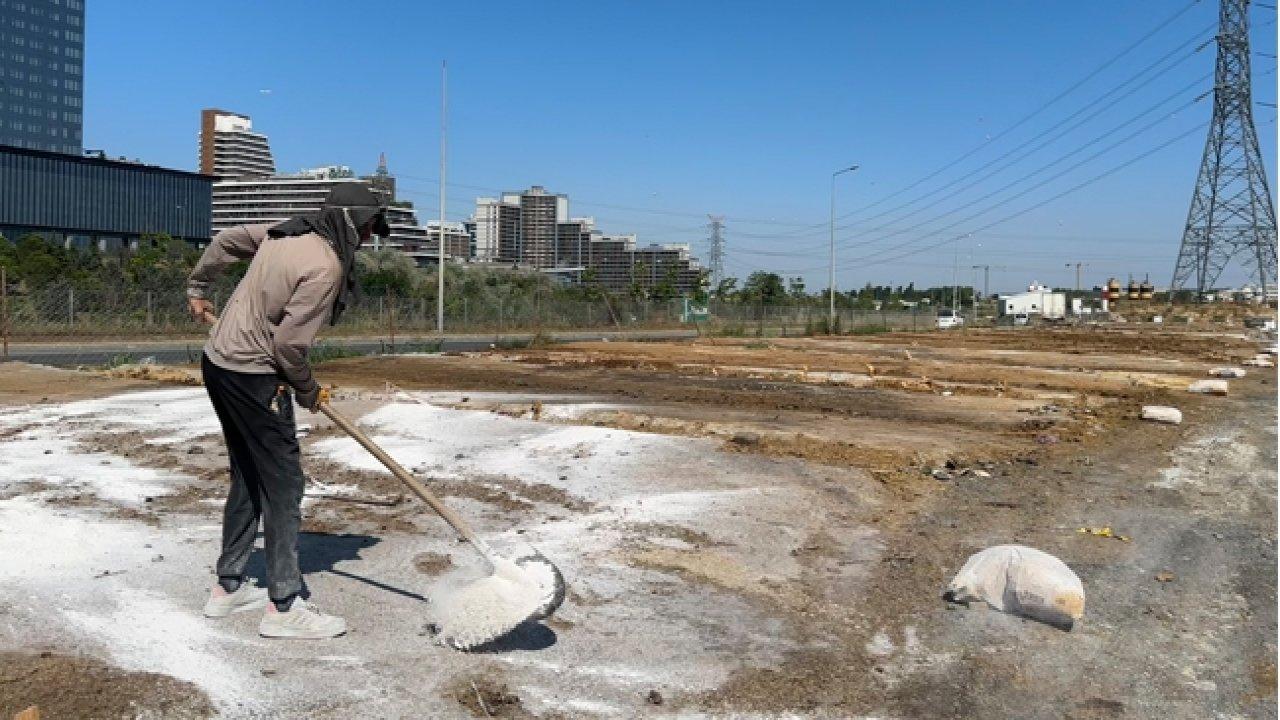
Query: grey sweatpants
(266, 475)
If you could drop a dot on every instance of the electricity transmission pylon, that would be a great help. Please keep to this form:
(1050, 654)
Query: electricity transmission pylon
(1231, 212)
(715, 258)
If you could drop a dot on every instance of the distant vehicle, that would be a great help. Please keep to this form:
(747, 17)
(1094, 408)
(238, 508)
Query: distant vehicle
(1021, 319)
(949, 319)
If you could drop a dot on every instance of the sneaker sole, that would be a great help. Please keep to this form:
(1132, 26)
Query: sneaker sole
(255, 605)
(296, 635)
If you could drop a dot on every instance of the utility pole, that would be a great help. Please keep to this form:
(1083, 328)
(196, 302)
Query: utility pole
(986, 280)
(444, 106)
(955, 276)
(1231, 212)
(831, 280)
(4, 312)
(716, 256)
(1077, 267)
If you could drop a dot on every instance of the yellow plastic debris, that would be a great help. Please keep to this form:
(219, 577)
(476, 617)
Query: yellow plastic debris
(1105, 532)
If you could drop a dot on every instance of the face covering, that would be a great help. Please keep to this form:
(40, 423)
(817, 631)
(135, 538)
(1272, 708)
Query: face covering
(340, 224)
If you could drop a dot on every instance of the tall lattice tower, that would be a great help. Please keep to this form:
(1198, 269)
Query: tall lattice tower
(1231, 212)
(715, 260)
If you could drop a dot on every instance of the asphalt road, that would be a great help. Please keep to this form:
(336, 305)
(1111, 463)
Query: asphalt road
(91, 352)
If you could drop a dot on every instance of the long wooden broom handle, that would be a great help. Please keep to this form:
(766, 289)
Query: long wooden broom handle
(410, 481)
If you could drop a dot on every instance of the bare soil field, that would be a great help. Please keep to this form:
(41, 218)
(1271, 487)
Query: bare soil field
(749, 528)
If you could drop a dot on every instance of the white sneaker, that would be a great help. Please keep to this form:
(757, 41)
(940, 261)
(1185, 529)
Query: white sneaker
(222, 603)
(303, 621)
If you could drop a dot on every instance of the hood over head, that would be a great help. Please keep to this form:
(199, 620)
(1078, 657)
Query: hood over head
(349, 208)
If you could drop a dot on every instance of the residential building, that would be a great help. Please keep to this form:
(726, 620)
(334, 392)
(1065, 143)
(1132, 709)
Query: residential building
(229, 147)
(618, 264)
(497, 230)
(42, 74)
(573, 242)
(533, 229)
(540, 214)
(91, 201)
(457, 243)
(249, 200)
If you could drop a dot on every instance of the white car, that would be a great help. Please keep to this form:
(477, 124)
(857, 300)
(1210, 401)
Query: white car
(1021, 319)
(949, 319)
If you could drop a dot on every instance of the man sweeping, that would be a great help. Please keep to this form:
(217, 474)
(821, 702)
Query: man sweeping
(301, 273)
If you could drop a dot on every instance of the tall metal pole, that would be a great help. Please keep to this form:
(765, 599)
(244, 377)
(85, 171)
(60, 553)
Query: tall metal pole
(831, 279)
(1077, 267)
(955, 276)
(986, 280)
(444, 106)
(4, 312)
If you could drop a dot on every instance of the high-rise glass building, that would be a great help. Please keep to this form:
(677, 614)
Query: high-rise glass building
(42, 74)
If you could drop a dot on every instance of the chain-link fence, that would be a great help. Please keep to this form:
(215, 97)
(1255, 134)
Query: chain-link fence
(63, 323)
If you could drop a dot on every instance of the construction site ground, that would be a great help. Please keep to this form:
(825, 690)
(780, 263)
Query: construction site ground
(754, 528)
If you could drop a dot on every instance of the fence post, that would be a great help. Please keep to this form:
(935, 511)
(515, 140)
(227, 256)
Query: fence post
(465, 325)
(71, 306)
(391, 318)
(148, 308)
(4, 311)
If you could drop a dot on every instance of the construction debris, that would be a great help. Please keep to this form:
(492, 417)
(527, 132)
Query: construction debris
(1020, 580)
(1105, 532)
(1162, 414)
(1208, 387)
(1227, 372)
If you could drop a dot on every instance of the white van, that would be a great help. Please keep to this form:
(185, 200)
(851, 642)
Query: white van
(949, 319)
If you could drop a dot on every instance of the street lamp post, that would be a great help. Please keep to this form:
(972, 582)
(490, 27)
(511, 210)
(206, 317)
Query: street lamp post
(831, 286)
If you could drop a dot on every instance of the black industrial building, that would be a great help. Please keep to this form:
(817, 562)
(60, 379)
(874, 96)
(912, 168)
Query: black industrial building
(82, 201)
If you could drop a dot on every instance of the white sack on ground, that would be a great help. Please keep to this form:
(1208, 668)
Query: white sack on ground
(1208, 387)
(1259, 361)
(1021, 580)
(1227, 372)
(1160, 413)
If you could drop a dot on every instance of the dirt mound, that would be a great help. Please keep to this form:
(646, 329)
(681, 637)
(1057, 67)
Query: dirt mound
(26, 383)
(65, 686)
(155, 373)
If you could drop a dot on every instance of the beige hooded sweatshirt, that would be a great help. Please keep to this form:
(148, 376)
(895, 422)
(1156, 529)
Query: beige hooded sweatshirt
(271, 320)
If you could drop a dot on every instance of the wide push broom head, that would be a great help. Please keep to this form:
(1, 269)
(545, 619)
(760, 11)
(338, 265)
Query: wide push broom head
(526, 589)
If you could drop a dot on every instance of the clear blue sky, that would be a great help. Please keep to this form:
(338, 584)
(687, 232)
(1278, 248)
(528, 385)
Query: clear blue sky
(652, 114)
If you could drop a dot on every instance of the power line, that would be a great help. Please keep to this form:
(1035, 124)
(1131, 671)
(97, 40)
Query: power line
(1197, 39)
(1054, 198)
(1077, 165)
(1034, 113)
(872, 260)
(1042, 168)
(1096, 102)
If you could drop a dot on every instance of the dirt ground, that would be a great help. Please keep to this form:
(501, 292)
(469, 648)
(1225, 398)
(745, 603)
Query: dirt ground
(750, 528)
(85, 688)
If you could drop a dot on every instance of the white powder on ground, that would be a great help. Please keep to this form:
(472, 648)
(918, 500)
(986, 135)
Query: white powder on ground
(47, 455)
